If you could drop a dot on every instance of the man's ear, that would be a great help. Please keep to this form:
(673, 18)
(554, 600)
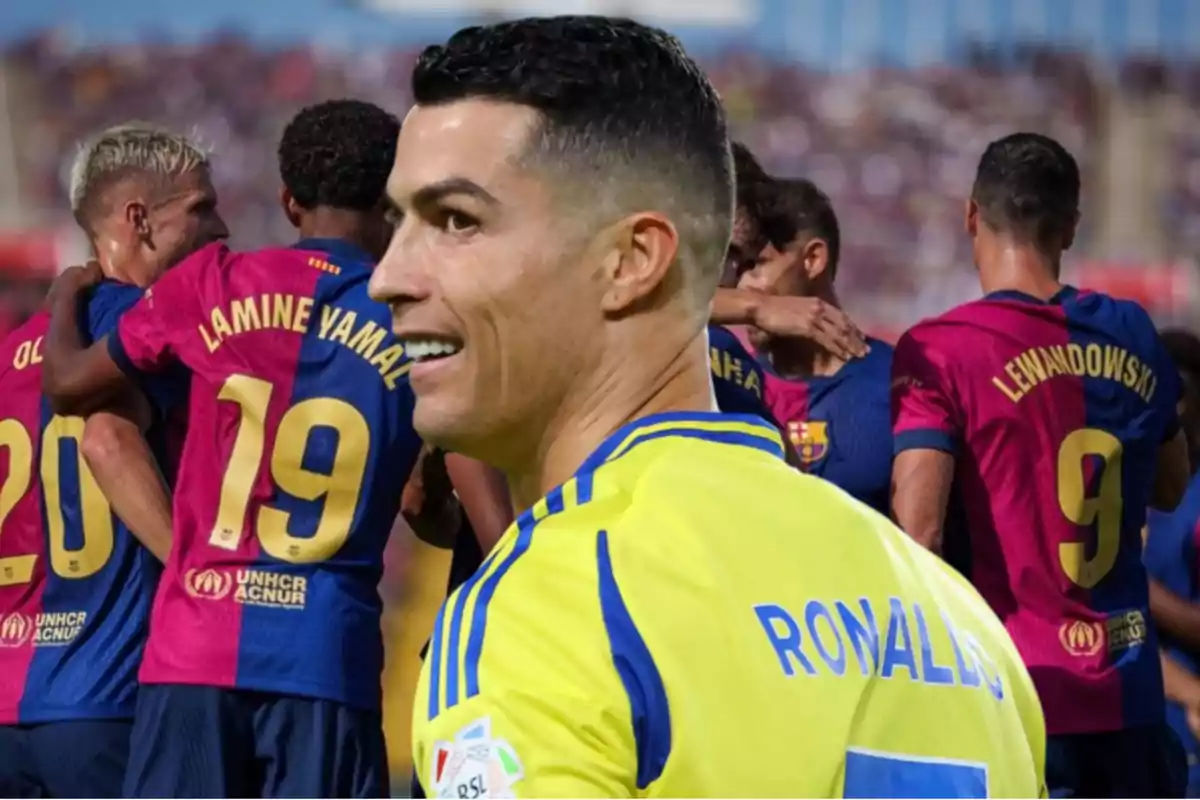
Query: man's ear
(640, 251)
(971, 217)
(815, 259)
(137, 217)
(291, 209)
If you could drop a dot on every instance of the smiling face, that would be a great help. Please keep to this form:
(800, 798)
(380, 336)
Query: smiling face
(489, 290)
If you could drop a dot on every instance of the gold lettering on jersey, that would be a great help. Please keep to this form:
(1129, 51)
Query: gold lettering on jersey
(45, 629)
(1035, 366)
(275, 311)
(896, 641)
(251, 587)
(268, 311)
(1118, 632)
(256, 587)
(28, 353)
(726, 367)
(366, 338)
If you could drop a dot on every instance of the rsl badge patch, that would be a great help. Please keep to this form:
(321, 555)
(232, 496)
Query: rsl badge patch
(474, 765)
(810, 438)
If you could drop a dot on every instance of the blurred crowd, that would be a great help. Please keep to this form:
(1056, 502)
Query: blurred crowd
(895, 148)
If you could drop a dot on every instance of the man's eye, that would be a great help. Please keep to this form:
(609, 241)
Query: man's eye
(458, 222)
(393, 216)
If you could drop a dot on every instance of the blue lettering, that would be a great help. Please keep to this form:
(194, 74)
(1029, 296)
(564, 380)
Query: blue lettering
(934, 673)
(982, 661)
(786, 643)
(967, 674)
(898, 653)
(814, 611)
(864, 636)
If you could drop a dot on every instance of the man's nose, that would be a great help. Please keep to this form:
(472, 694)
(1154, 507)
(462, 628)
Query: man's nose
(400, 277)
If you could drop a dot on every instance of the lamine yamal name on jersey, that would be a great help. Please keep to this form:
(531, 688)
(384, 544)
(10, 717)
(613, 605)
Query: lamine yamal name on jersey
(279, 311)
(831, 637)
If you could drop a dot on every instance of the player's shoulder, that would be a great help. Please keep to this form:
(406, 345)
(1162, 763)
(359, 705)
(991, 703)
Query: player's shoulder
(107, 302)
(1113, 314)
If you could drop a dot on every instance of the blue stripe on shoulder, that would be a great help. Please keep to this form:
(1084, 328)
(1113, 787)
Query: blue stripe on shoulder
(525, 526)
(643, 683)
(435, 664)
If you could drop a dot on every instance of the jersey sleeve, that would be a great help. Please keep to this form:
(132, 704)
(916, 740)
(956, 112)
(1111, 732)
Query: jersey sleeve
(534, 708)
(104, 311)
(924, 412)
(148, 335)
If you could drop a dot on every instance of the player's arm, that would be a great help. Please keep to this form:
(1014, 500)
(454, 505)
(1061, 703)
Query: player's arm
(921, 481)
(801, 317)
(483, 492)
(125, 469)
(1175, 615)
(1181, 685)
(1173, 473)
(925, 426)
(75, 378)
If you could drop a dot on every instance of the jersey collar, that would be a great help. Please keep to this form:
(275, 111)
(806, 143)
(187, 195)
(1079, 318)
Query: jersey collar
(1061, 296)
(738, 430)
(338, 248)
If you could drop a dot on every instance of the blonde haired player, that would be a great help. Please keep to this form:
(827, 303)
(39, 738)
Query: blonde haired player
(675, 612)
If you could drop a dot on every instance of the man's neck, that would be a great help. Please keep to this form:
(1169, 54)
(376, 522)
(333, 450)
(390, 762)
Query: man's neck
(335, 223)
(621, 394)
(1020, 268)
(794, 359)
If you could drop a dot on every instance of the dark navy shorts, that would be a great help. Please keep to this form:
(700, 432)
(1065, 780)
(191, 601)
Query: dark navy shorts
(83, 758)
(204, 741)
(1138, 762)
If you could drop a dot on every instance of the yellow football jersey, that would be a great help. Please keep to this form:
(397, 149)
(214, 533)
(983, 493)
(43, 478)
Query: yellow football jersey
(690, 617)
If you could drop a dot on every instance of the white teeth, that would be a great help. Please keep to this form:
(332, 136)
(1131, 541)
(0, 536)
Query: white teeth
(420, 349)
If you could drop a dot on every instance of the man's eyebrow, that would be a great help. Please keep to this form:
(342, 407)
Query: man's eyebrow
(433, 192)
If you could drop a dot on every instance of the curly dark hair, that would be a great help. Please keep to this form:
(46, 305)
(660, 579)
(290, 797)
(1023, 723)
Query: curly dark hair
(623, 109)
(339, 154)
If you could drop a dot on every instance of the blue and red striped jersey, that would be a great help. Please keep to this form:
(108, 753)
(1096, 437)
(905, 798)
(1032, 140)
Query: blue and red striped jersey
(1055, 412)
(837, 422)
(300, 443)
(1170, 556)
(737, 377)
(75, 586)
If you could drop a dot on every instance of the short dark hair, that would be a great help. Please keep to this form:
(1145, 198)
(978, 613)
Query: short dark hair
(796, 208)
(339, 154)
(1027, 185)
(749, 178)
(619, 101)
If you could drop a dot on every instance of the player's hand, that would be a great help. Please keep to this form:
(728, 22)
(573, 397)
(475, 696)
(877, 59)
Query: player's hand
(428, 503)
(74, 280)
(811, 318)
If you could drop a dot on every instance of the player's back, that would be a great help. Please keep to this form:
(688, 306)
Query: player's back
(760, 633)
(1063, 406)
(299, 445)
(75, 586)
(837, 423)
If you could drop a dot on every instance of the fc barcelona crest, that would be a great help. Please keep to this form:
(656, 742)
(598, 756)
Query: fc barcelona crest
(810, 438)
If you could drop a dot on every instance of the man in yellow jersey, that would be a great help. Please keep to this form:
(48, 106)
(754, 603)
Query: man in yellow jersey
(675, 612)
